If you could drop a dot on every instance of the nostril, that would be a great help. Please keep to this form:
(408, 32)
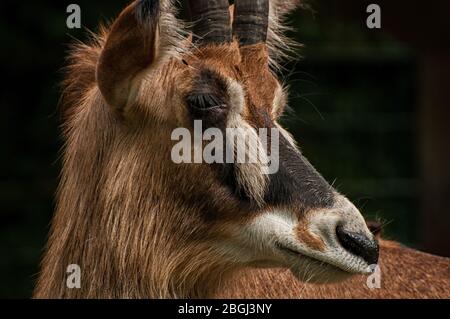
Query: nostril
(359, 245)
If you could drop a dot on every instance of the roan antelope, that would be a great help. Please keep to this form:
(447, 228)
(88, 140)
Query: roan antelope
(141, 226)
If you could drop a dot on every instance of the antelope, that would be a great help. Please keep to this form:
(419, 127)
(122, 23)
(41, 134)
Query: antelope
(141, 226)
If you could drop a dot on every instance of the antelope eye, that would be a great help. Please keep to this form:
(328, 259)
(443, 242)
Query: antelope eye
(204, 102)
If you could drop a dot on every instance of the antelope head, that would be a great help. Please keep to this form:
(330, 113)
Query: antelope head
(184, 224)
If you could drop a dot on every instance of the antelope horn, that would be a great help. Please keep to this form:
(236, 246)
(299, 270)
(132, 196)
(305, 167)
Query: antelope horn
(251, 21)
(212, 21)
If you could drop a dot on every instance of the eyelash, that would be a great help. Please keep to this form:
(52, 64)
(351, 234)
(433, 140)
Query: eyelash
(204, 102)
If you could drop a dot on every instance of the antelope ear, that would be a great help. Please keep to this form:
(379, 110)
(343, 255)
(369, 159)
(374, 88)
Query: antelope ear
(132, 46)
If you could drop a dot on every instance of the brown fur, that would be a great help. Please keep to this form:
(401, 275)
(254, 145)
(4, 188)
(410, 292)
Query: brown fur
(110, 219)
(138, 225)
(304, 235)
(405, 273)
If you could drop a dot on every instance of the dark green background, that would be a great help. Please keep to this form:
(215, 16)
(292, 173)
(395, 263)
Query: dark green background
(353, 95)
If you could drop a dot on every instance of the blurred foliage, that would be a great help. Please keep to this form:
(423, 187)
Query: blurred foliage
(352, 96)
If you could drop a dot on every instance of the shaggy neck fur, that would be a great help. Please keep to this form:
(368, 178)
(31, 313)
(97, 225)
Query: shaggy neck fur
(122, 216)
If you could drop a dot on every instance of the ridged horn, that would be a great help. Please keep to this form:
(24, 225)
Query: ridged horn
(212, 21)
(251, 21)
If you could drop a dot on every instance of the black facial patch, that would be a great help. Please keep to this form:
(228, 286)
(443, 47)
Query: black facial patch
(297, 181)
(208, 101)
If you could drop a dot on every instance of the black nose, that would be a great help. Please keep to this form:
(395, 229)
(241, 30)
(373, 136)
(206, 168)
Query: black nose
(359, 245)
